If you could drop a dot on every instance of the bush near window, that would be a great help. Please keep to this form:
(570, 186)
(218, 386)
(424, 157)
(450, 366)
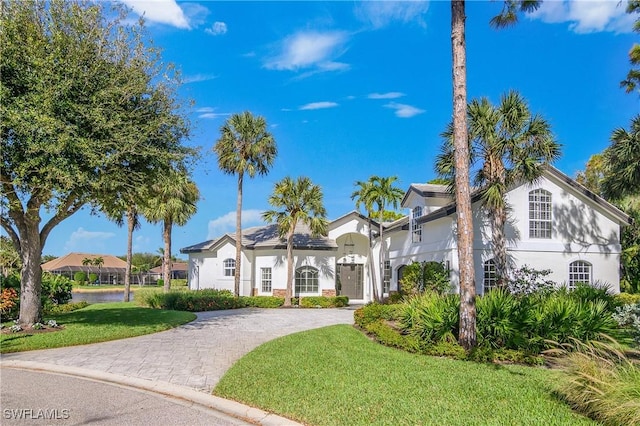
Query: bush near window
(324, 302)
(93, 278)
(419, 277)
(80, 277)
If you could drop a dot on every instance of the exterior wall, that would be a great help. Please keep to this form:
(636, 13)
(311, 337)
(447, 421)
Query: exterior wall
(206, 270)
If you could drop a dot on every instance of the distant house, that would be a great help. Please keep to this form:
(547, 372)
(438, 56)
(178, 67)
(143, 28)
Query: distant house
(554, 224)
(178, 271)
(111, 271)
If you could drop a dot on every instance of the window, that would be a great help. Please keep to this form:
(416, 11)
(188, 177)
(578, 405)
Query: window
(490, 277)
(306, 280)
(265, 274)
(386, 280)
(229, 267)
(416, 228)
(539, 214)
(579, 272)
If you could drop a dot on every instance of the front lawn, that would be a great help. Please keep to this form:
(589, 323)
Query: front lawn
(96, 323)
(337, 376)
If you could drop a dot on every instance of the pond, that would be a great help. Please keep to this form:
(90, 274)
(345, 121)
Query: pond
(100, 297)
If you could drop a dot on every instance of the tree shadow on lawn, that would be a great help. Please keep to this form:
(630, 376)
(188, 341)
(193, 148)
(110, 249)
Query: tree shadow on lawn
(119, 317)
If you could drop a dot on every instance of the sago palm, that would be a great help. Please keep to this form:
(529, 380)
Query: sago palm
(512, 147)
(296, 201)
(172, 201)
(245, 147)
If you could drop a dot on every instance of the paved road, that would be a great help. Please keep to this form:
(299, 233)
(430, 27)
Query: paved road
(40, 398)
(195, 355)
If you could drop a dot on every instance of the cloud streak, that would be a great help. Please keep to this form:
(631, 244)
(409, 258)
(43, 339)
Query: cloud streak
(403, 110)
(380, 14)
(318, 105)
(586, 16)
(89, 241)
(218, 28)
(210, 113)
(227, 223)
(388, 95)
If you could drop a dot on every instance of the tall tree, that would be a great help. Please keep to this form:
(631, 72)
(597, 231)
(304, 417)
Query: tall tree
(632, 82)
(172, 201)
(622, 163)
(245, 147)
(512, 146)
(362, 198)
(509, 16)
(87, 262)
(87, 104)
(297, 201)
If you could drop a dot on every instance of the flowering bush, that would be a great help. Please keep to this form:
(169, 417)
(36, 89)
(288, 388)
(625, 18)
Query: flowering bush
(37, 326)
(52, 323)
(628, 317)
(9, 304)
(15, 328)
(527, 280)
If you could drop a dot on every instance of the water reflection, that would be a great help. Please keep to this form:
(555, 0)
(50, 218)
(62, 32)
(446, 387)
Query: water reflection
(100, 297)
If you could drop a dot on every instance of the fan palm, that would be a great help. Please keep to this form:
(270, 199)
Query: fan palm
(622, 163)
(513, 146)
(244, 147)
(297, 201)
(173, 201)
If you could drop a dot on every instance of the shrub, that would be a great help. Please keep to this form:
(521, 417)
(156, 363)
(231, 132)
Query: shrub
(628, 317)
(262, 301)
(526, 280)
(426, 276)
(594, 292)
(374, 312)
(388, 336)
(431, 317)
(324, 302)
(160, 282)
(498, 320)
(93, 278)
(80, 277)
(67, 307)
(9, 304)
(603, 384)
(627, 298)
(195, 301)
(56, 288)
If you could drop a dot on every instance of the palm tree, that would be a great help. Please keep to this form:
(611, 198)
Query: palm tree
(508, 16)
(361, 197)
(622, 162)
(298, 201)
(244, 146)
(380, 192)
(513, 146)
(98, 261)
(173, 201)
(87, 262)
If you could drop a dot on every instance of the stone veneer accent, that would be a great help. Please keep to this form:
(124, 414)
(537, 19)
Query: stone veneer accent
(279, 292)
(329, 293)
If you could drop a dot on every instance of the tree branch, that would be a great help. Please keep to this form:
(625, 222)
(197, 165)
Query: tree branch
(69, 207)
(12, 233)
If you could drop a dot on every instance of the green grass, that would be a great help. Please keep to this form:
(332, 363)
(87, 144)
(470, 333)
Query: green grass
(337, 376)
(96, 323)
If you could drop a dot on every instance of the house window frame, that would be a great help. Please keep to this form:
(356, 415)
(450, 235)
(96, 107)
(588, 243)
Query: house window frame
(266, 280)
(578, 270)
(416, 228)
(229, 267)
(489, 276)
(309, 283)
(386, 279)
(540, 216)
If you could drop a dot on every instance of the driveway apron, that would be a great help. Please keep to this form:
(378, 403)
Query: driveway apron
(195, 355)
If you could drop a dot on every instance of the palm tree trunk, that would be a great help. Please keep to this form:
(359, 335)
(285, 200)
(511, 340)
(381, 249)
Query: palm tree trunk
(467, 337)
(498, 219)
(236, 278)
(381, 257)
(372, 269)
(289, 290)
(127, 271)
(166, 235)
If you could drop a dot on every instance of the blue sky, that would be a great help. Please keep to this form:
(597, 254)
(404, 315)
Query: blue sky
(353, 89)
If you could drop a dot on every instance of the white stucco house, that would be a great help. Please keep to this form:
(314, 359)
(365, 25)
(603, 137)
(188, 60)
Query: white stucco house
(554, 224)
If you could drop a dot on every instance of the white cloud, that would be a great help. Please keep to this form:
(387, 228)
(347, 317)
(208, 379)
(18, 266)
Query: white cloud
(318, 105)
(310, 50)
(89, 241)
(209, 112)
(160, 11)
(380, 14)
(403, 110)
(586, 16)
(218, 28)
(388, 95)
(196, 78)
(227, 222)
(141, 243)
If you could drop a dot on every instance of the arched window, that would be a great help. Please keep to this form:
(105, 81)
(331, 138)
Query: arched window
(306, 280)
(229, 267)
(416, 228)
(539, 214)
(490, 279)
(579, 272)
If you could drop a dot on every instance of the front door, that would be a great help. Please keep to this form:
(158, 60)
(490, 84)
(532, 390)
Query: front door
(350, 280)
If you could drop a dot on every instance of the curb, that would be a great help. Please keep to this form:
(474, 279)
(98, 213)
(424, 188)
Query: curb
(225, 406)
